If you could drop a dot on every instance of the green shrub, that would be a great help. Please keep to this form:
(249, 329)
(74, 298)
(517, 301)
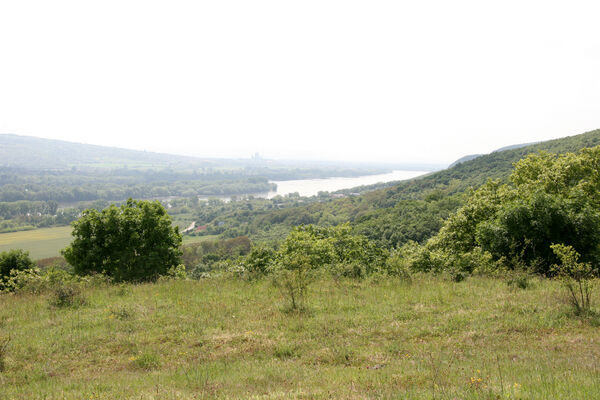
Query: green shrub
(258, 262)
(13, 260)
(577, 277)
(133, 242)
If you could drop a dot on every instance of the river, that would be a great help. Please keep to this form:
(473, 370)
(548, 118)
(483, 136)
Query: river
(311, 187)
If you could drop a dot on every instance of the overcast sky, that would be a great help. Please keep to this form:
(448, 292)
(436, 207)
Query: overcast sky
(396, 81)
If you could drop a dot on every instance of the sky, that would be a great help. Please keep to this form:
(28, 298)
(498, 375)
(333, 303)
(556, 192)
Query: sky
(394, 81)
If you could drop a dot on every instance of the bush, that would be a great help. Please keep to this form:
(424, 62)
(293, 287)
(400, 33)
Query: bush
(259, 260)
(133, 242)
(575, 276)
(67, 296)
(13, 260)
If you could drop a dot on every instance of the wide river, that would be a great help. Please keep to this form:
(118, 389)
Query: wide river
(311, 187)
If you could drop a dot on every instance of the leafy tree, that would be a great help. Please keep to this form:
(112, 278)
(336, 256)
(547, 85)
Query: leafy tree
(13, 260)
(551, 199)
(133, 242)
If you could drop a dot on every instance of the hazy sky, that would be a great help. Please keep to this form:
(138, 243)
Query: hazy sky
(351, 80)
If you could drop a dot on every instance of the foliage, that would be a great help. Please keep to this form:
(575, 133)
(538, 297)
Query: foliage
(225, 338)
(133, 242)
(575, 276)
(67, 296)
(12, 261)
(258, 261)
(311, 249)
(552, 199)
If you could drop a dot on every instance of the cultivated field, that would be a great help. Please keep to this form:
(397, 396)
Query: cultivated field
(41, 243)
(226, 338)
(47, 242)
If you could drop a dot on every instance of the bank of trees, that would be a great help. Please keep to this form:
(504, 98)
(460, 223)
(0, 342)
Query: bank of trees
(551, 199)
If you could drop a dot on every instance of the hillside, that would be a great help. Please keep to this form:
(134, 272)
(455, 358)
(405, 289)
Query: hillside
(231, 339)
(408, 210)
(36, 153)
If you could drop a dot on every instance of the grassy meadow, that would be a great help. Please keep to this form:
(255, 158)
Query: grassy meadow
(47, 242)
(41, 243)
(229, 339)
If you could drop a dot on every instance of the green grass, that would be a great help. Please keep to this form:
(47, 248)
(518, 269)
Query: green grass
(41, 243)
(221, 338)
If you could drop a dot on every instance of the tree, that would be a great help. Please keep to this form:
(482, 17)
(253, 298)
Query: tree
(551, 199)
(133, 242)
(13, 260)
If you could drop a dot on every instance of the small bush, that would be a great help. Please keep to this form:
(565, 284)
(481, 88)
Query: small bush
(259, 260)
(177, 272)
(67, 296)
(576, 277)
(12, 261)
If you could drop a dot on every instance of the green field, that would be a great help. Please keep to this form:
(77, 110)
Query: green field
(41, 243)
(47, 242)
(229, 339)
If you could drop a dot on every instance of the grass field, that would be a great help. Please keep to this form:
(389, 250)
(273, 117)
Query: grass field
(41, 243)
(47, 242)
(224, 338)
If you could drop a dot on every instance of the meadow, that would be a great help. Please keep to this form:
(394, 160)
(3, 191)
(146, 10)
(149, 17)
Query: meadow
(41, 243)
(376, 338)
(47, 242)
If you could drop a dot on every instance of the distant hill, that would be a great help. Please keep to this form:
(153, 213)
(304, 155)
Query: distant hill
(464, 159)
(473, 156)
(36, 153)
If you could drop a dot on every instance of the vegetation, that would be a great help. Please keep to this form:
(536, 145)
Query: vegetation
(429, 289)
(134, 242)
(227, 338)
(13, 260)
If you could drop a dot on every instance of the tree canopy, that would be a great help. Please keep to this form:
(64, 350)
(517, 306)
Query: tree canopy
(133, 242)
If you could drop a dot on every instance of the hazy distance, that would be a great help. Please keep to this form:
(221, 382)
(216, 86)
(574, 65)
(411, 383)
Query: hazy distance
(382, 81)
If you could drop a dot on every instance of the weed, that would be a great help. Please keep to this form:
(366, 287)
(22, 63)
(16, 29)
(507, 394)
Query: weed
(146, 361)
(4, 342)
(285, 351)
(67, 296)
(122, 313)
(519, 281)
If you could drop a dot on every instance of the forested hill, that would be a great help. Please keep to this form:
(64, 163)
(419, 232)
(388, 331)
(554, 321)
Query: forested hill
(496, 165)
(410, 210)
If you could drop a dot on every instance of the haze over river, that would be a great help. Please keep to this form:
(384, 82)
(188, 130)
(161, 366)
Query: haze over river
(311, 187)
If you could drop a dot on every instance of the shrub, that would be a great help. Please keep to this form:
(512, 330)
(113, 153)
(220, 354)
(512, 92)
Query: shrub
(575, 276)
(259, 260)
(67, 296)
(13, 260)
(133, 242)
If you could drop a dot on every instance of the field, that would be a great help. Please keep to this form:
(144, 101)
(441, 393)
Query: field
(41, 243)
(47, 242)
(226, 338)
